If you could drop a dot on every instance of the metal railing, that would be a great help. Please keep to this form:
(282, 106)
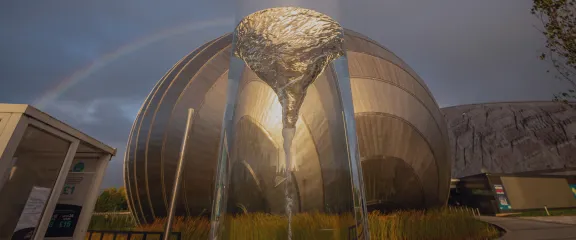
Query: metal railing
(110, 213)
(352, 233)
(99, 235)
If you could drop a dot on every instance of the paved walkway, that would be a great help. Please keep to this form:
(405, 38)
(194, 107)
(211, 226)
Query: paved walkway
(555, 219)
(524, 229)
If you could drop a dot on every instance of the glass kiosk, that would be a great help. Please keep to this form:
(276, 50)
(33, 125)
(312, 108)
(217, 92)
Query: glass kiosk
(50, 175)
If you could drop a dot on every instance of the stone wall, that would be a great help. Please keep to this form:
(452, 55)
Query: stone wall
(511, 137)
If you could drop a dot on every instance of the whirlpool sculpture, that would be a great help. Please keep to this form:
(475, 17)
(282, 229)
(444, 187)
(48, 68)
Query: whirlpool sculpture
(288, 48)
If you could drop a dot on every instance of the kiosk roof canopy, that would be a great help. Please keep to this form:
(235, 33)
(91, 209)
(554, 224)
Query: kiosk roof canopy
(87, 144)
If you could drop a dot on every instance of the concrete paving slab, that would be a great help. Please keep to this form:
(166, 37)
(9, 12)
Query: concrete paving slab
(525, 229)
(555, 219)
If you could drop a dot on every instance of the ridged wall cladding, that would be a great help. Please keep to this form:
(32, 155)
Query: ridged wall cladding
(402, 136)
(511, 137)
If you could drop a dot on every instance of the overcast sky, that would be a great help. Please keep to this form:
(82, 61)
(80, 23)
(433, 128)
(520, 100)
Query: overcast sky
(112, 52)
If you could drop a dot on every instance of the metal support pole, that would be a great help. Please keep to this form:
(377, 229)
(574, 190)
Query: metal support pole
(178, 179)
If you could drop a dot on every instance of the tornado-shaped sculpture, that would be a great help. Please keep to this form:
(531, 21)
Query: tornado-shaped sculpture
(288, 48)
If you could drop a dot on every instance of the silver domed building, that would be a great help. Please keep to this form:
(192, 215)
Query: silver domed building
(402, 136)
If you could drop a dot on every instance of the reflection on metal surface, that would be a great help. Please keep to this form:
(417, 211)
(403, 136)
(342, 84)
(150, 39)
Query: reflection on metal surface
(397, 127)
(288, 48)
(391, 183)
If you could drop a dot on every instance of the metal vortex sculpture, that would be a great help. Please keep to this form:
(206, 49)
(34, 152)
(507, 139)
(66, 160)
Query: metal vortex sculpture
(288, 48)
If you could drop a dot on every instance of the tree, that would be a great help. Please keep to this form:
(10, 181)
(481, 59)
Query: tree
(112, 200)
(559, 20)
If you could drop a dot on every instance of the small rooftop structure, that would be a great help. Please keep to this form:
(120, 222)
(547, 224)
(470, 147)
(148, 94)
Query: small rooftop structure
(50, 174)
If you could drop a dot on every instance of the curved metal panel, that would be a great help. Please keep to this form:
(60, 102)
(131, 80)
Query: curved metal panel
(353, 42)
(386, 135)
(391, 184)
(376, 96)
(258, 101)
(196, 84)
(369, 67)
(203, 153)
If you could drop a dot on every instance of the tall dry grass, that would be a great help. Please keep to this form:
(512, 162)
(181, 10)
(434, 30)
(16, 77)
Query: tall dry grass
(189, 228)
(441, 224)
(112, 222)
(304, 226)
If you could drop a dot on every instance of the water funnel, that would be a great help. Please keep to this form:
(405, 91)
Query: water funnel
(288, 48)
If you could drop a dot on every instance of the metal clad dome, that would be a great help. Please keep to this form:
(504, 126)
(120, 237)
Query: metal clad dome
(402, 136)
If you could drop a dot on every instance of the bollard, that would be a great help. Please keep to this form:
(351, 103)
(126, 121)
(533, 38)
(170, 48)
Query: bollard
(546, 208)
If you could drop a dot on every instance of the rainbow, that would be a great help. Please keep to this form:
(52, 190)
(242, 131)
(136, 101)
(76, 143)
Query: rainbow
(81, 74)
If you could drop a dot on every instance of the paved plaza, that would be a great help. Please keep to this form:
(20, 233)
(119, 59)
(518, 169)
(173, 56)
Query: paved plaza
(527, 229)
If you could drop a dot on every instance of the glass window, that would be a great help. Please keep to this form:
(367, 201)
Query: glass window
(35, 167)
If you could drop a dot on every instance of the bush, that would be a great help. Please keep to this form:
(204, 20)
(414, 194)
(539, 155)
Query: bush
(112, 200)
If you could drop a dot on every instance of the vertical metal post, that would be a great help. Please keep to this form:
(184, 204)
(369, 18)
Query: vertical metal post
(178, 179)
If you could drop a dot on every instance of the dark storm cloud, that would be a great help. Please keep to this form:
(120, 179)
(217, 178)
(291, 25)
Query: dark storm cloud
(466, 51)
(44, 42)
(107, 119)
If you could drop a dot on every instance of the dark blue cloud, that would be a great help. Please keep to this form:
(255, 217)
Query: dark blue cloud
(466, 51)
